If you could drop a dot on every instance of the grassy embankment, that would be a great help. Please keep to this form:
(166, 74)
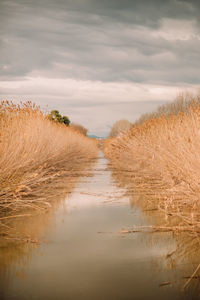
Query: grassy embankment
(161, 154)
(35, 155)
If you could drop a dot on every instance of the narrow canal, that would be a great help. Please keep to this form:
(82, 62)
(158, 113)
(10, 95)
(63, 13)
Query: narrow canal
(85, 255)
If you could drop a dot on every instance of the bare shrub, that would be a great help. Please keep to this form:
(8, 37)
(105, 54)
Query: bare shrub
(79, 128)
(119, 126)
(181, 104)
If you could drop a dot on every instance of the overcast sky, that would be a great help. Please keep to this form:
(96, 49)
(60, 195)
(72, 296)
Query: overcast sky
(99, 61)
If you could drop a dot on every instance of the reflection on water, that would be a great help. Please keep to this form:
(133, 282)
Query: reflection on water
(84, 256)
(187, 250)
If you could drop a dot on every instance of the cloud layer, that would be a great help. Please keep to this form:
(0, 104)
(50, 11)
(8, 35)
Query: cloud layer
(101, 50)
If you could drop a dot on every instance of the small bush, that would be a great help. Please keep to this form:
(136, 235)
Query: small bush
(119, 126)
(79, 128)
(56, 116)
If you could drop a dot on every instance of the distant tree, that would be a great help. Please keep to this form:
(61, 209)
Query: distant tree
(66, 120)
(119, 126)
(54, 115)
(79, 128)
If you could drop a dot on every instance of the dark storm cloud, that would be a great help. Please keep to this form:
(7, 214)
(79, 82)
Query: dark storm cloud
(98, 40)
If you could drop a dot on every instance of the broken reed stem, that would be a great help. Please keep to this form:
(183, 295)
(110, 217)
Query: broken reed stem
(159, 229)
(14, 216)
(191, 277)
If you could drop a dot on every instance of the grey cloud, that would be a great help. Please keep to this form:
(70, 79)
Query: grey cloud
(134, 11)
(96, 40)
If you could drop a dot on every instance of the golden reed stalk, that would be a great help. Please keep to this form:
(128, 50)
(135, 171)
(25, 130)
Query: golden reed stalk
(34, 153)
(163, 156)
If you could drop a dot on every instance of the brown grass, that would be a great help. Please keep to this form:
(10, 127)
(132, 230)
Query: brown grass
(163, 157)
(35, 154)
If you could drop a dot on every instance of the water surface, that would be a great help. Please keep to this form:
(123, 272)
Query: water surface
(84, 256)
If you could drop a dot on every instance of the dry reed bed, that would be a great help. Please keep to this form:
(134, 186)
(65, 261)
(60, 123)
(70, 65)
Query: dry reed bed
(35, 154)
(162, 157)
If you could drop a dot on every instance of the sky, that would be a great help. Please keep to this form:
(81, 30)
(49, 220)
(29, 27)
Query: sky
(99, 61)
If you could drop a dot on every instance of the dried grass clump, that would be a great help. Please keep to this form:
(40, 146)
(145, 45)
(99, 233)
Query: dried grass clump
(163, 157)
(35, 154)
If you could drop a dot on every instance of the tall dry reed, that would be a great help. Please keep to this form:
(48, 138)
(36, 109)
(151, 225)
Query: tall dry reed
(35, 153)
(163, 157)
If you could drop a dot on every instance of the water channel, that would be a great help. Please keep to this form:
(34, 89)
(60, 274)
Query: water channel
(85, 255)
